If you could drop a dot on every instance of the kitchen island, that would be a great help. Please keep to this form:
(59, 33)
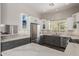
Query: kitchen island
(56, 40)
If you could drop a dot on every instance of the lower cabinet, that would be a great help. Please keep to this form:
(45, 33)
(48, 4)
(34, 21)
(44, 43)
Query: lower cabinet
(64, 41)
(13, 44)
(54, 40)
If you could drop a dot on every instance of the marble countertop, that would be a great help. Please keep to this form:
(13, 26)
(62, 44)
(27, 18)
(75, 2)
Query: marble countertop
(56, 35)
(20, 36)
(75, 37)
(64, 35)
(14, 37)
(71, 36)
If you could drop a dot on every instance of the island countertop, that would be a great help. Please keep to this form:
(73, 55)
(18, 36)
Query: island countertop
(63, 35)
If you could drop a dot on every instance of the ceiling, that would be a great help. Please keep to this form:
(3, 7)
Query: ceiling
(47, 7)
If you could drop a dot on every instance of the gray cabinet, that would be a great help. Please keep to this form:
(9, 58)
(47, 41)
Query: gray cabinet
(54, 40)
(64, 41)
(14, 43)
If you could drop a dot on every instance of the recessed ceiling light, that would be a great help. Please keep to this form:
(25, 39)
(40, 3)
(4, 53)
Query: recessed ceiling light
(51, 4)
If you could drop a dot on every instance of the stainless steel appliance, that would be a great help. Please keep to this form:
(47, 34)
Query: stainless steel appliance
(9, 29)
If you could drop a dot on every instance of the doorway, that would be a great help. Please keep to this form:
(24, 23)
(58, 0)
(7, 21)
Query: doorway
(33, 32)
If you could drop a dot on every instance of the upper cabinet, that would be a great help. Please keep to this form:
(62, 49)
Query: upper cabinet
(70, 23)
(76, 20)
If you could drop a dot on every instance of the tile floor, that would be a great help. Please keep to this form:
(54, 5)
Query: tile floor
(33, 49)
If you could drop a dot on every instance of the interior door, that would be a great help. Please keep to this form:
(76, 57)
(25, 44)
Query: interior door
(33, 32)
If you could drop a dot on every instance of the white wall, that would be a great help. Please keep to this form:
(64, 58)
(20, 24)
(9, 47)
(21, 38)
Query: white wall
(0, 13)
(11, 12)
(0, 29)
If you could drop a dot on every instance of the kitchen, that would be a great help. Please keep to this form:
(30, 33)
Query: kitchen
(21, 25)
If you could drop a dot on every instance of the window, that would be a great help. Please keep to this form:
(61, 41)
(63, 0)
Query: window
(58, 25)
(24, 21)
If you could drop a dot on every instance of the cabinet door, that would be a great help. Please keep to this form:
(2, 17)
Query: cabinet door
(64, 42)
(41, 41)
(52, 40)
(55, 40)
(13, 44)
